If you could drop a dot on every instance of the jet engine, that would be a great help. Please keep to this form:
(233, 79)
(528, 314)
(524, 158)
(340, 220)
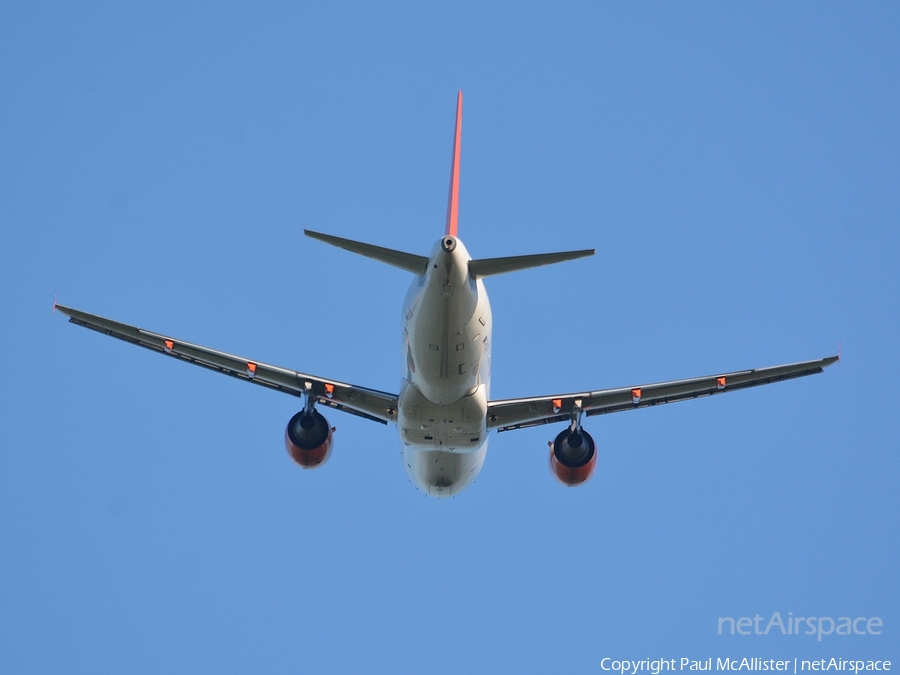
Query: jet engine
(308, 439)
(573, 456)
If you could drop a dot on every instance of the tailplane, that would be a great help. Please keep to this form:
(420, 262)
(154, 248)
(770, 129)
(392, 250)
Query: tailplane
(417, 264)
(490, 266)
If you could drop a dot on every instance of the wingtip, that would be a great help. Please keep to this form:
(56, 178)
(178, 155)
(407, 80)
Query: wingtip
(62, 308)
(319, 236)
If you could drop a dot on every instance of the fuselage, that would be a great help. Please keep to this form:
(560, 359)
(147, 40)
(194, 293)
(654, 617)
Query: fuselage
(442, 409)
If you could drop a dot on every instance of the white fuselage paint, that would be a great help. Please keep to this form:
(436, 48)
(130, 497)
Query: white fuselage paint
(442, 410)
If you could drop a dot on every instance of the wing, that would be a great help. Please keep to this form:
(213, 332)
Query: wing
(528, 412)
(368, 403)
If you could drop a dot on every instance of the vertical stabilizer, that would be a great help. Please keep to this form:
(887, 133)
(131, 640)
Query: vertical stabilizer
(453, 199)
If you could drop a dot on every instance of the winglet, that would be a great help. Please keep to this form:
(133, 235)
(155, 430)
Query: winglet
(453, 199)
(53, 311)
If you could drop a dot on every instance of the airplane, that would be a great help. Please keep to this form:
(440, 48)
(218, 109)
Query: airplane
(444, 413)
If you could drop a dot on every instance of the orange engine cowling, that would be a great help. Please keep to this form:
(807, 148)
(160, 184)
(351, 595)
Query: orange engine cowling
(308, 439)
(573, 457)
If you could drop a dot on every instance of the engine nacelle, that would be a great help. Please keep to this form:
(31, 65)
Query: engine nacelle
(573, 457)
(308, 439)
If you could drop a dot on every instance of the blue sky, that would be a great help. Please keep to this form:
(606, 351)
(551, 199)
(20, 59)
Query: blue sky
(734, 165)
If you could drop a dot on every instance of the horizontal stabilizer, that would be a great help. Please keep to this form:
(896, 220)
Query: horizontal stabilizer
(417, 264)
(491, 266)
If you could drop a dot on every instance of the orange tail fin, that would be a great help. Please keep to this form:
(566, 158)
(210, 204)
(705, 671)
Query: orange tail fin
(453, 199)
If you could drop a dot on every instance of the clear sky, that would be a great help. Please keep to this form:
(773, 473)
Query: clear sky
(734, 165)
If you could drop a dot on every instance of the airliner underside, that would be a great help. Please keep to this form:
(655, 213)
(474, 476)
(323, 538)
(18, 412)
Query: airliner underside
(443, 412)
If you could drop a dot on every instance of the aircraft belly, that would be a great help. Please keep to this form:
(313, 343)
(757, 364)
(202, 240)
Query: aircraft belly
(443, 474)
(458, 427)
(444, 446)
